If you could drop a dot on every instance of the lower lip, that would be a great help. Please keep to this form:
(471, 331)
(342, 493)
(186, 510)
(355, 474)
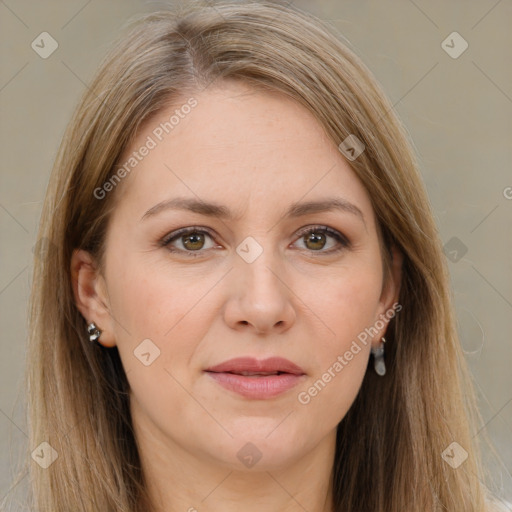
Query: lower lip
(257, 388)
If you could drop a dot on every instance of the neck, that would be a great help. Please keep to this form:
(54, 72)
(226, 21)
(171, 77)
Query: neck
(179, 480)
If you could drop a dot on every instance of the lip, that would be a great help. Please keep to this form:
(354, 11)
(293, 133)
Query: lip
(230, 375)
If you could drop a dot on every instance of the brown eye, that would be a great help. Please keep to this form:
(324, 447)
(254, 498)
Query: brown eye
(189, 241)
(194, 241)
(315, 240)
(323, 240)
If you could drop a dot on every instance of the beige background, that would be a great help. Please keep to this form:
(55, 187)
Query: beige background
(458, 112)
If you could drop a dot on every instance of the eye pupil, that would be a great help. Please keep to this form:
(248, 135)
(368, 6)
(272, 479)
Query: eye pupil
(194, 239)
(315, 238)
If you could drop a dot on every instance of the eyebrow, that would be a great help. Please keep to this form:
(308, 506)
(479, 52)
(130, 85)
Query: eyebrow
(297, 209)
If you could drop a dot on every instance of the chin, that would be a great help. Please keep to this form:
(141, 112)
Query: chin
(261, 446)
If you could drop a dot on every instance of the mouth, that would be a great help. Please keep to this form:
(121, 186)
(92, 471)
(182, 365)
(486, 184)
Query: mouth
(255, 374)
(257, 379)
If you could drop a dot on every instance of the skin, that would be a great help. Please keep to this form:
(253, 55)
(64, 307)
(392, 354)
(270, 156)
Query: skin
(256, 153)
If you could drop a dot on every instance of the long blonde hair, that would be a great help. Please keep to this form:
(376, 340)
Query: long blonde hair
(389, 445)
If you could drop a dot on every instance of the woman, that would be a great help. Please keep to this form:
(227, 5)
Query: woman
(243, 303)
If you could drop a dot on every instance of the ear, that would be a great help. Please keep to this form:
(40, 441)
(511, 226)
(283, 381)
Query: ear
(91, 295)
(389, 295)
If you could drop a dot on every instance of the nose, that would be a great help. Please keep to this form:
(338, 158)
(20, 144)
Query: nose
(259, 300)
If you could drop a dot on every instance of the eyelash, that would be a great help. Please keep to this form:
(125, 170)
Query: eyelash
(344, 243)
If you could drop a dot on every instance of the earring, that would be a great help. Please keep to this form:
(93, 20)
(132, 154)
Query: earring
(94, 332)
(378, 358)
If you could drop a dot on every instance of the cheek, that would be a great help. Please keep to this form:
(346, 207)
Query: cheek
(347, 301)
(156, 312)
(349, 308)
(160, 321)
(355, 303)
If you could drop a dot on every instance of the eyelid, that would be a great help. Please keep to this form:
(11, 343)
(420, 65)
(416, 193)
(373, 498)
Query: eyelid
(342, 240)
(330, 231)
(165, 242)
(185, 231)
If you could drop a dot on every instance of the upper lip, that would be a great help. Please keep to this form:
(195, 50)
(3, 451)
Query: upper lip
(241, 365)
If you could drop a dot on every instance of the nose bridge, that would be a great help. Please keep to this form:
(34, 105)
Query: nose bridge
(259, 297)
(258, 268)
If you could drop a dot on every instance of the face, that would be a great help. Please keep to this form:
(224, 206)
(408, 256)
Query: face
(245, 266)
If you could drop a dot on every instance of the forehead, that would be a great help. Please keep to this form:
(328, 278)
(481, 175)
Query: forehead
(241, 146)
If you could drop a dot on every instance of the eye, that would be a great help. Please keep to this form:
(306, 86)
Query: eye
(192, 240)
(316, 238)
(188, 240)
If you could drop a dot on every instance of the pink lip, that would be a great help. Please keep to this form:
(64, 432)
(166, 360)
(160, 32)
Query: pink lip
(229, 375)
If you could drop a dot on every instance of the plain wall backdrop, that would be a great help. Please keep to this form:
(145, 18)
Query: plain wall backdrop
(456, 103)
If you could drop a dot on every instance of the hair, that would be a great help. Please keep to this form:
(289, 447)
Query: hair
(389, 444)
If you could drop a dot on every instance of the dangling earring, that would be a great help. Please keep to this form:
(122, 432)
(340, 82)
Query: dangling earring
(378, 358)
(94, 332)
